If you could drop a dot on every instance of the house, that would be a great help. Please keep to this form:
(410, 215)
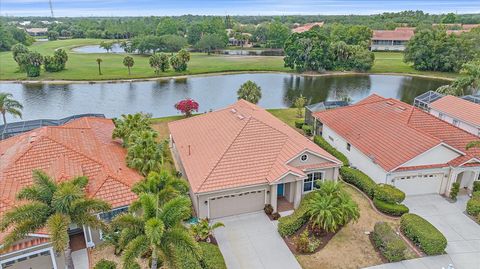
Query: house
(240, 158)
(83, 147)
(459, 112)
(36, 31)
(391, 40)
(398, 144)
(307, 27)
(310, 109)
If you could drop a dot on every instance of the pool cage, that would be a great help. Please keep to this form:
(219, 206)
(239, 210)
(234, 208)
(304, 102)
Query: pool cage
(424, 100)
(15, 128)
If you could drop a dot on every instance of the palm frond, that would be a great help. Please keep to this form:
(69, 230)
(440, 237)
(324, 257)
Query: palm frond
(35, 211)
(64, 197)
(154, 229)
(181, 238)
(89, 205)
(175, 210)
(133, 250)
(57, 226)
(80, 182)
(20, 230)
(473, 144)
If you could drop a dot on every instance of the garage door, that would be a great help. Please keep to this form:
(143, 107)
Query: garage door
(421, 184)
(238, 203)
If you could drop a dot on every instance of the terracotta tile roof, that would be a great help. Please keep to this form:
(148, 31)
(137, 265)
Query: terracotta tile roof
(470, 26)
(458, 108)
(240, 145)
(83, 147)
(391, 132)
(26, 243)
(401, 34)
(307, 27)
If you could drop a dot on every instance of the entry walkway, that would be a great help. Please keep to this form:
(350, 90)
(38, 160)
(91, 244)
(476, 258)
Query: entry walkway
(80, 259)
(251, 241)
(462, 233)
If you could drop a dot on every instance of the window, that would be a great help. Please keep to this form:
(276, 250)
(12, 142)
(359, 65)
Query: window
(456, 122)
(304, 157)
(110, 215)
(348, 146)
(311, 182)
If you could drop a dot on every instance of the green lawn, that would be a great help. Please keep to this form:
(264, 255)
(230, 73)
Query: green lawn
(82, 66)
(287, 115)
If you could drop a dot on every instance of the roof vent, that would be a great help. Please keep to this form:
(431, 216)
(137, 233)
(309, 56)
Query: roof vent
(241, 117)
(402, 108)
(390, 103)
(233, 110)
(33, 137)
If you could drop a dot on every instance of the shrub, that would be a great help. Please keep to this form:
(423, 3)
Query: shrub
(299, 124)
(476, 186)
(476, 194)
(423, 234)
(307, 129)
(105, 264)
(275, 216)
(454, 191)
(268, 209)
(320, 141)
(359, 179)
(390, 209)
(389, 194)
(388, 242)
(473, 205)
(288, 225)
(212, 257)
(306, 244)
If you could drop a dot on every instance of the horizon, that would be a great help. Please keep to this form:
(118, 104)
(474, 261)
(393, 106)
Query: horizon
(144, 8)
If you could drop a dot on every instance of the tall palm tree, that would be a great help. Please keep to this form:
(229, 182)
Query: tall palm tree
(163, 184)
(152, 227)
(250, 91)
(10, 106)
(144, 153)
(53, 206)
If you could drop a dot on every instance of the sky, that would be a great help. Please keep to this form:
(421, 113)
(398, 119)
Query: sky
(83, 8)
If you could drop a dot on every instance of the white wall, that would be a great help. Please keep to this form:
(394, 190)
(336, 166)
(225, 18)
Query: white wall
(355, 156)
(437, 155)
(463, 125)
(387, 47)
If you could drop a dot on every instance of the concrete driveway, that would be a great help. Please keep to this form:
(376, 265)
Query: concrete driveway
(462, 233)
(251, 241)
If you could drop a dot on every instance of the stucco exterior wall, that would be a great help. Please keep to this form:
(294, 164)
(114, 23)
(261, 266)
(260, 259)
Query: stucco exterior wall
(437, 155)
(387, 47)
(463, 125)
(37, 261)
(311, 159)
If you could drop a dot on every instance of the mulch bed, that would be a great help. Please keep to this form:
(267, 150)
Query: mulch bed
(290, 241)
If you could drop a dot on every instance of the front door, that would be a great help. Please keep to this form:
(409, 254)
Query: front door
(280, 190)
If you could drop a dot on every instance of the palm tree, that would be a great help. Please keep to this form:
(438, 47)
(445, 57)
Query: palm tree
(128, 62)
(99, 61)
(53, 206)
(127, 124)
(151, 227)
(250, 91)
(202, 230)
(144, 153)
(331, 207)
(163, 184)
(10, 106)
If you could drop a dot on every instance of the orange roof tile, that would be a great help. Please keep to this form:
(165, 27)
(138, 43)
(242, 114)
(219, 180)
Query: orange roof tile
(401, 34)
(307, 27)
(240, 145)
(83, 147)
(391, 132)
(458, 108)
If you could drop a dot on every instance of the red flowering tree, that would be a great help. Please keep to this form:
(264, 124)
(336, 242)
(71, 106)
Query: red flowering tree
(187, 106)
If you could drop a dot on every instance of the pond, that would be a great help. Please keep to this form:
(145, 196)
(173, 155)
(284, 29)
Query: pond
(211, 92)
(97, 49)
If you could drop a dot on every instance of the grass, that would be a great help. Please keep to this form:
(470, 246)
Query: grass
(350, 248)
(83, 67)
(287, 115)
(212, 255)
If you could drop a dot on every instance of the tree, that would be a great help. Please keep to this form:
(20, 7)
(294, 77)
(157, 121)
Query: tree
(300, 105)
(32, 61)
(144, 154)
(331, 207)
(187, 106)
(154, 229)
(250, 92)
(99, 61)
(52, 35)
(211, 42)
(163, 184)
(170, 26)
(277, 34)
(159, 62)
(57, 62)
(449, 18)
(106, 46)
(173, 43)
(10, 106)
(128, 62)
(180, 61)
(54, 207)
(468, 82)
(203, 230)
(18, 52)
(308, 51)
(130, 123)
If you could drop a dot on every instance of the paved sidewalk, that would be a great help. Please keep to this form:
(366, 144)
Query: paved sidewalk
(80, 259)
(251, 241)
(462, 233)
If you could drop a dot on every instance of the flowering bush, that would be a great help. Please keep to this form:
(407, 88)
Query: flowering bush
(187, 106)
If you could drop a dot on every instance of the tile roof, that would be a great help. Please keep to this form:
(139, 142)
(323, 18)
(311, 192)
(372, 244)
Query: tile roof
(458, 108)
(400, 34)
(307, 27)
(83, 147)
(240, 145)
(391, 132)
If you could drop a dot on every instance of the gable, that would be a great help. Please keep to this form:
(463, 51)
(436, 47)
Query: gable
(437, 155)
(311, 159)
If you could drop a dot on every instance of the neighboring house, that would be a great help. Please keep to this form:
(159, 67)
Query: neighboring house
(398, 144)
(310, 109)
(391, 40)
(83, 147)
(459, 112)
(307, 27)
(240, 158)
(36, 31)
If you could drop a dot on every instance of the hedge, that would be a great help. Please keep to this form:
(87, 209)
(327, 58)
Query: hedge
(288, 225)
(476, 186)
(390, 209)
(389, 194)
(359, 179)
(473, 205)
(423, 234)
(307, 129)
(320, 141)
(390, 244)
(299, 124)
(105, 264)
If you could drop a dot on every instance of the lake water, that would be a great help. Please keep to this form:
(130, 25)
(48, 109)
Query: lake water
(211, 92)
(97, 49)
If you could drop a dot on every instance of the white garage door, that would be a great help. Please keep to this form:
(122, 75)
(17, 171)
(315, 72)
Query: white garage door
(237, 203)
(421, 184)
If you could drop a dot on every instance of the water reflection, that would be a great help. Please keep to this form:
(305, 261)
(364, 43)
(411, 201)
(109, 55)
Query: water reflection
(212, 92)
